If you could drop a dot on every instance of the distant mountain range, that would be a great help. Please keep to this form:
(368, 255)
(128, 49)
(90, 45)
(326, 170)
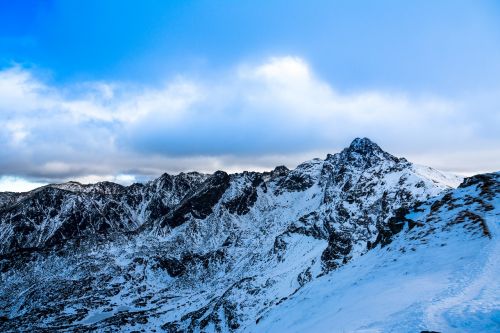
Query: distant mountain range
(361, 241)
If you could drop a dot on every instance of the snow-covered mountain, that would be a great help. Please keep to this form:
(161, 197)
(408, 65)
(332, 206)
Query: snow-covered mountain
(438, 270)
(220, 252)
(54, 214)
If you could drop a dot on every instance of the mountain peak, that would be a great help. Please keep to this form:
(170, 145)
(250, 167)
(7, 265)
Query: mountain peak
(363, 145)
(364, 151)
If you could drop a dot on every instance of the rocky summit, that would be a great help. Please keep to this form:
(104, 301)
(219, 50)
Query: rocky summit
(320, 248)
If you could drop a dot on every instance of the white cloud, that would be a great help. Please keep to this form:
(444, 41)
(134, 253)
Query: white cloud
(16, 130)
(252, 115)
(17, 184)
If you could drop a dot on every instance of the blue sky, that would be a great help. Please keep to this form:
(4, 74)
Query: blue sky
(424, 45)
(124, 90)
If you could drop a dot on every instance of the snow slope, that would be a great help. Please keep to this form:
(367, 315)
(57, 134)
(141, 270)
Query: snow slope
(442, 275)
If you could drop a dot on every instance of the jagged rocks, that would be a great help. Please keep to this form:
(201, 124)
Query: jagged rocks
(338, 250)
(247, 197)
(196, 252)
(200, 204)
(173, 266)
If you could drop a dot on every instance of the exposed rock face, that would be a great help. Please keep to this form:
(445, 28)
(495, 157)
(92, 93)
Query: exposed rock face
(197, 252)
(54, 214)
(198, 204)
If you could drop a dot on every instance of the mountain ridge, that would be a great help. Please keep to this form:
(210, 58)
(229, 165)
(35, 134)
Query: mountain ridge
(213, 252)
(141, 206)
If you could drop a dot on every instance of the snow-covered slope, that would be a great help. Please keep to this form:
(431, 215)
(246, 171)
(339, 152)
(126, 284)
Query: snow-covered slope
(198, 253)
(440, 273)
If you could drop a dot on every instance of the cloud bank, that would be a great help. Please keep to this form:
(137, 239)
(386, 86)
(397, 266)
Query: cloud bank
(250, 116)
